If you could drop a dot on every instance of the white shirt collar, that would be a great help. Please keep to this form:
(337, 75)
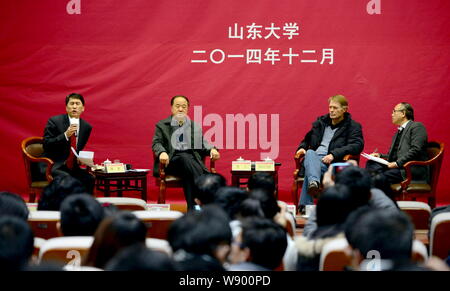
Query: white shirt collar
(403, 126)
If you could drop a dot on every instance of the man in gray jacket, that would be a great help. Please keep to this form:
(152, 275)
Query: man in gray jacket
(179, 144)
(408, 144)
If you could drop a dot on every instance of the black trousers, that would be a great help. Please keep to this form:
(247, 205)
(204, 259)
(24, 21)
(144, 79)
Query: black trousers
(392, 176)
(85, 178)
(184, 165)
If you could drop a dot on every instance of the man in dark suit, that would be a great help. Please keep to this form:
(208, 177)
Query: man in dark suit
(408, 144)
(332, 136)
(63, 132)
(179, 144)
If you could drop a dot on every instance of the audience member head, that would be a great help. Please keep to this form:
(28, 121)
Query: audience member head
(113, 234)
(389, 232)
(58, 190)
(261, 180)
(268, 202)
(16, 243)
(230, 199)
(138, 257)
(358, 181)
(206, 187)
(14, 205)
(250, 207)
(80, 215)
(333, 207)
(205, 232)
(261, 241)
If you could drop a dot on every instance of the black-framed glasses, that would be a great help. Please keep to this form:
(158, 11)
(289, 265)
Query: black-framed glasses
(401, 110)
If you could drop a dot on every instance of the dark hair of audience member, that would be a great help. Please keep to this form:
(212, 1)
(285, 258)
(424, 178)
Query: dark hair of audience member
(390, 232)
(14, 205)
(16, 243)
(358, 181)
(138, 257)
(261, 180)
(80, 215)
(230, 199)
(58, 190)
(113, 234)
(268, 202)
(206, 187)
(201, 233)
(250, 207)
(333, 207)
(266, 240)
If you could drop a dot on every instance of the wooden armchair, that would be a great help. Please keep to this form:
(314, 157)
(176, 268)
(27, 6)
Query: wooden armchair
(298, 180)
(32, 150)
(409, 189)
(165, 181)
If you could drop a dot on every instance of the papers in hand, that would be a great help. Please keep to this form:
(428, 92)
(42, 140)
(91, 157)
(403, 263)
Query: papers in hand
(378, 160)
(85, 157)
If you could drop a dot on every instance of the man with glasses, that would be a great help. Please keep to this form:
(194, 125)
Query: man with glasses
(179, 144)
(408, 144)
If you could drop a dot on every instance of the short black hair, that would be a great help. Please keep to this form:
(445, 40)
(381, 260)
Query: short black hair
(16, 243)
(261, 180)
(74, 96)
(266, 240)
(176, 96)
(200, 232)
(58, 189)
(80, 215)
(358, 181)
(13, 204)
(268, 201)
(138, 257)
(409, 111)
(206, 187)
(388, 231)
(230, 199)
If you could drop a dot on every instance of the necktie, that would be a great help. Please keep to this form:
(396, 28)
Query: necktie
(71, 159)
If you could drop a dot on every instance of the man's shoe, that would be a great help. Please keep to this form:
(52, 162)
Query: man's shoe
(313, 189)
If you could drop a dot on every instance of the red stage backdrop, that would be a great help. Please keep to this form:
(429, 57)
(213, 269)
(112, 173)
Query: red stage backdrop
(270, 64)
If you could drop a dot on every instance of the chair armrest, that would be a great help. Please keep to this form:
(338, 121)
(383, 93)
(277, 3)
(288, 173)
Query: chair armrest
(405, 183)
(298, 158)
(212, 165)
(47, 161)
(162, 171)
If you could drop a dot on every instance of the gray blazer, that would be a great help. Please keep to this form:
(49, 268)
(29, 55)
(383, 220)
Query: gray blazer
(162, 143)
(412, 147)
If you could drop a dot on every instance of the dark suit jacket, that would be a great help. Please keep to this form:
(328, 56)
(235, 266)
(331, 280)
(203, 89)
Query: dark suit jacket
(412, 147)
(162, 143)
(348, 138)
(56, 146)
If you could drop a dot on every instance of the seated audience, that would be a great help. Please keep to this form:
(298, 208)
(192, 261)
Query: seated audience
(80, 215)
(138, 257)
(113, 234)
(333, 206)
(260, 246)
(358, 181)
(57, 191)
(201, 240)
(14, 205)
(16, 243)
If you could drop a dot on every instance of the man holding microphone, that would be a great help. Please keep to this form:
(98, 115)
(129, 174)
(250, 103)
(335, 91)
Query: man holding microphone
(64, 132)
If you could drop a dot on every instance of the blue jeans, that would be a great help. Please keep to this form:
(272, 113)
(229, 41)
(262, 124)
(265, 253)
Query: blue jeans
(314, 169)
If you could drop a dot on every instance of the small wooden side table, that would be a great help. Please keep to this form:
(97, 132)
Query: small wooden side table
(120, 182)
